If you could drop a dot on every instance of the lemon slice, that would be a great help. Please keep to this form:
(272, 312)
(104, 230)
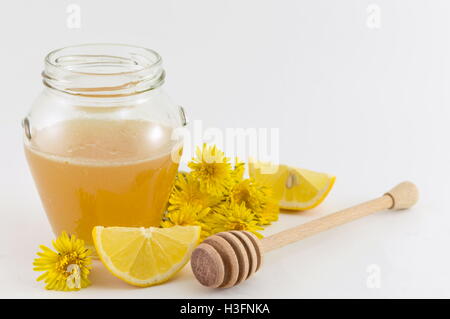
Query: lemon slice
(295, 188)
(145, 256)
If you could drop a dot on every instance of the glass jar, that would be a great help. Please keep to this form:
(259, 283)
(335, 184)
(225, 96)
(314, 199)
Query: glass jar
(99, 138)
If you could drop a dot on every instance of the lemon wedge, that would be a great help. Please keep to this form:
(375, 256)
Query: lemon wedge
(294, 188)
(145, 256)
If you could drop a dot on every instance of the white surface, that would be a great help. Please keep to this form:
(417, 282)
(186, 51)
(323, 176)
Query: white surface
(371, 106)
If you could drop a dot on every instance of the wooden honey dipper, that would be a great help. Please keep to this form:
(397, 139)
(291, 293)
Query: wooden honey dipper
(226, 259)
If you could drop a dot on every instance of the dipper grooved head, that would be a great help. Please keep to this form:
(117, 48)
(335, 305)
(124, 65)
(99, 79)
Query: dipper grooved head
(226, 259)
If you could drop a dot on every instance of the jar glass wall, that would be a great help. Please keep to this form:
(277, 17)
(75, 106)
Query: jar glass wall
(99, 138)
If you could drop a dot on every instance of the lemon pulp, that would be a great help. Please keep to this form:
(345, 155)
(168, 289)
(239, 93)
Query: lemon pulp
(145, 256)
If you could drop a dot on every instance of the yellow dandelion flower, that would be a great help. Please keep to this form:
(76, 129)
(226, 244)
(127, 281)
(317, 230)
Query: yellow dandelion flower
(190, 214)
(187, 215)
(66, 269)
(249, 192)
(186, 191)
(258, 198)
(238, 171)
(212, 169)
(233, 216)
(269, 213)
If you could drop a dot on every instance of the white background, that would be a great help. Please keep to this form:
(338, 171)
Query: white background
(368, 105)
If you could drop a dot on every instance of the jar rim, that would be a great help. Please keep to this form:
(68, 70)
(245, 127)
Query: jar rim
(103, 69)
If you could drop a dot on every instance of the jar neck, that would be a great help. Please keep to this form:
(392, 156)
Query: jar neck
(103, 70)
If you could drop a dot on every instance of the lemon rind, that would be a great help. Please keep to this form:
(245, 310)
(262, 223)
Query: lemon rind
(314, 202)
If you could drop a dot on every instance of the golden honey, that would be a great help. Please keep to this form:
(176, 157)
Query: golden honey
(102, 172)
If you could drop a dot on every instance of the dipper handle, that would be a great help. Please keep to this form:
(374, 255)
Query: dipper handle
(402, 196)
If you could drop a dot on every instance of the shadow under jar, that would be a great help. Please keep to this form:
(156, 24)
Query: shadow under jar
(99, 139)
